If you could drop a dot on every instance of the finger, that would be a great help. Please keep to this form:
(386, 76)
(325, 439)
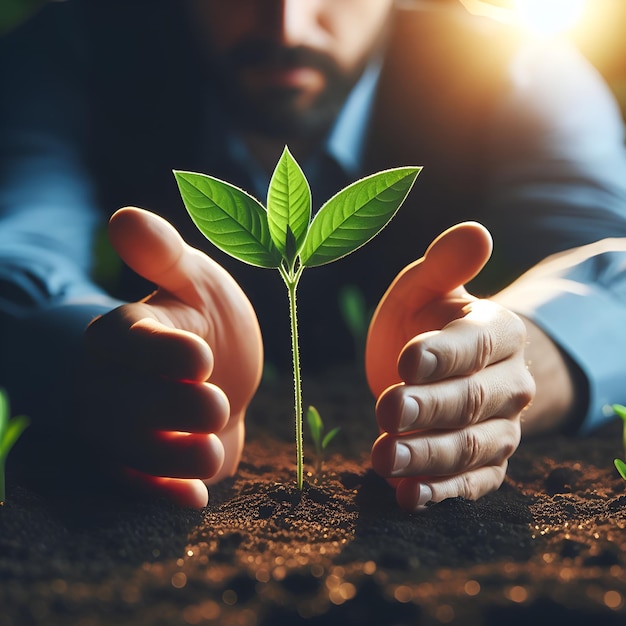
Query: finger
(216, 308)
(413, 494)
(126, 401)
(171, 454)
(232, 438)
(190, 493)
(125, 337)
(441, 453)
(487, 334)
(501, 390)
(454, 258)
(150, 246)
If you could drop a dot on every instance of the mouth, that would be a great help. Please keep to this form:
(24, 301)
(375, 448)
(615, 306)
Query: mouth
(282, 76)
(264, 65)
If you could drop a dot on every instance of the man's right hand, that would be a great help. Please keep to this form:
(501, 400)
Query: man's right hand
(168, 379)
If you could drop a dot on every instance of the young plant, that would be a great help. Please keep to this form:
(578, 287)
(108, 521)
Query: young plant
(356, 317)
(320, 440)
(620, 465)
(10, 430)
(283, 236)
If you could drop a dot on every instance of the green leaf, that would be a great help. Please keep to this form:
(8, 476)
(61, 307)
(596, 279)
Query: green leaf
(229, 218)
(330, 435)
(4, 412)
(353, 309)
(621, 467)
(355, 215)
(316, 426)
(288, 205)
(619, 410)
(14, 429)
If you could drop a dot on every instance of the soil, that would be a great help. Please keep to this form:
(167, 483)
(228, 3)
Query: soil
(548, 547)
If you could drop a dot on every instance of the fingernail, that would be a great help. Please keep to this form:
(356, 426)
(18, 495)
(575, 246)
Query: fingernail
(409, 413)
(425, 496)
(402, 458)
(427, 364)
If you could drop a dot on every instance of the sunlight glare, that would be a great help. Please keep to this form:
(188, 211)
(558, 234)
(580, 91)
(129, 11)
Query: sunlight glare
(549, 17)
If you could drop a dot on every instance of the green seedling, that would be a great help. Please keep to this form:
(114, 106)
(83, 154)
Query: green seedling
(320, 440)
(284, 237)
(10, 431)
(355, 315)
(620, 465)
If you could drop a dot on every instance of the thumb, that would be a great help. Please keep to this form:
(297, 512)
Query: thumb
(225, 319)
(150, 246)
(455, 257)
(452, 259)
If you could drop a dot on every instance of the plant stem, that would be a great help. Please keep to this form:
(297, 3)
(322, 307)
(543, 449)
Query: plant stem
(291, 279)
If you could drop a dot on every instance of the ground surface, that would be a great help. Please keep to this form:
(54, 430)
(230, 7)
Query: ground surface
(549, 547)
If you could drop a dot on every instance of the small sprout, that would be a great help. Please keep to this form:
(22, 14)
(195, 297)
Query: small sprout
(620, 411)
(284, 237)
(356, 317)
(320, 440)
(620, 465)
(10, 430)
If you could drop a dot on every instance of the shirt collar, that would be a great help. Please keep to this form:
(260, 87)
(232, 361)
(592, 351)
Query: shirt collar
(346, 140)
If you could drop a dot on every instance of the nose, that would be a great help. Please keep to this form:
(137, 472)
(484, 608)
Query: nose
(292, 22)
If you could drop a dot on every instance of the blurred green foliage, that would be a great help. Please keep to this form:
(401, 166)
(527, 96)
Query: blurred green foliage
(10, 431)
(14, 12)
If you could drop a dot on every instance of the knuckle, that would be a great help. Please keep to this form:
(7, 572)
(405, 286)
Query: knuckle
(470, 487)
(429, 451)
(470, 449)
(475, 398)
(517, 328)
(531, 388)
(497, 475)
(483, 345)
(474, 485)
(511, 440)
(525, 391)
(484, 350)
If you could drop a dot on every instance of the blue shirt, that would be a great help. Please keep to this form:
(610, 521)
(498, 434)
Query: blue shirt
(344, 144)
(50, 218)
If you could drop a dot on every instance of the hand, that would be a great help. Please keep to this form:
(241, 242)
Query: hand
(169, 378)
(450, 376)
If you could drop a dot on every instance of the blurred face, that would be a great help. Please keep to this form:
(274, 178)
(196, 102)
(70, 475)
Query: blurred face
(286, 66)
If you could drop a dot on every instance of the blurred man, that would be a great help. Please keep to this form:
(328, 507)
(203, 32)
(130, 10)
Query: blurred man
(101, 100)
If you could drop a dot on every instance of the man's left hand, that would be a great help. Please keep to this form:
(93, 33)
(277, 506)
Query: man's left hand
(449, 374)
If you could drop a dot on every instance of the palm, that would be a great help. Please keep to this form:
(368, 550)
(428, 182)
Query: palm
(425, 295)
(196, 295)
(168, 379)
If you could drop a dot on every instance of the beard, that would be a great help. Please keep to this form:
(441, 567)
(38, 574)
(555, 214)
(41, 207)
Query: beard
(281, 110)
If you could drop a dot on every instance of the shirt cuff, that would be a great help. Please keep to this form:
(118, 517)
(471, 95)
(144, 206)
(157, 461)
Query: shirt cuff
(587, 323)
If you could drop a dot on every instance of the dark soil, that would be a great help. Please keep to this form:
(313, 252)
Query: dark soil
(548, 548)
